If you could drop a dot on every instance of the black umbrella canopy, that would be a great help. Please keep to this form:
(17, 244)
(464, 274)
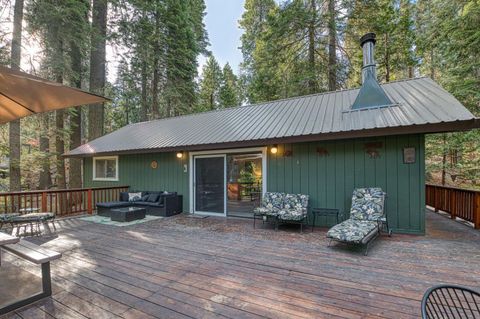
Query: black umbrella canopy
(22, 94)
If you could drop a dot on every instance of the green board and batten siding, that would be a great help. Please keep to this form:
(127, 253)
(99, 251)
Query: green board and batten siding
(329, 171)
(135, 171)
(328, 176)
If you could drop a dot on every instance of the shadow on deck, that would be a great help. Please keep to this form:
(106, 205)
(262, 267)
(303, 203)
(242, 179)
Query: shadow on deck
(184, 267)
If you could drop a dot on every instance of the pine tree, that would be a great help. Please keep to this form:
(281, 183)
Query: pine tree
(229, 89)
(254, 24)
(209, 95)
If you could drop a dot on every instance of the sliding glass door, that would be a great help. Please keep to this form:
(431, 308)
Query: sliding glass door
(209, 184)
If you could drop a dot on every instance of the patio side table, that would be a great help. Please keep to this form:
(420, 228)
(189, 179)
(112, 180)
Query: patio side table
(325, 212)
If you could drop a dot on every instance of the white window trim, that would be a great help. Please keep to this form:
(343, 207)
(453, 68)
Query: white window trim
(109, 179)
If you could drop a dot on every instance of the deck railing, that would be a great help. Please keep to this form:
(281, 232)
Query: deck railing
(457, 202)
(62, 202)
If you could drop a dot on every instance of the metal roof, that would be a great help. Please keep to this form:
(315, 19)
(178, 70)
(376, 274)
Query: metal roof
(421, 106)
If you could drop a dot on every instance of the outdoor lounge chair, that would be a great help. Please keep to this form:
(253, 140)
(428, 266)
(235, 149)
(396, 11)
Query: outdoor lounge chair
(365, 215)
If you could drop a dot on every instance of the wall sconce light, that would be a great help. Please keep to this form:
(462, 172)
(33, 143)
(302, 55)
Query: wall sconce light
(274, 149)
(179, 154)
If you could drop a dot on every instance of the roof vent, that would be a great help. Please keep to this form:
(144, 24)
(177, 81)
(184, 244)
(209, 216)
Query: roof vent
(371, 95)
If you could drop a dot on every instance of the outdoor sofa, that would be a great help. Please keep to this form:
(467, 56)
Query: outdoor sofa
(366, 218)
(283, 208)
(158, 203)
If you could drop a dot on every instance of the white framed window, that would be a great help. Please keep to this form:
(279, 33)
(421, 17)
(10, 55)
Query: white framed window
(105, 168)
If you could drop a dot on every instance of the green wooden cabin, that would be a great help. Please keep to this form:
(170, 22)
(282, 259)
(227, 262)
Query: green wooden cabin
(323, 145)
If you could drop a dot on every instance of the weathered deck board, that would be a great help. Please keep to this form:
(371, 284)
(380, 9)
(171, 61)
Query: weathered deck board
(214, 268)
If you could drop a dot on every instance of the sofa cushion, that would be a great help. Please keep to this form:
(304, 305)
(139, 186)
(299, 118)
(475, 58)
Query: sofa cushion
(353, 231)
(124, 196)
(114, 204)
(153, 197)
(150, 204)
(145, 198)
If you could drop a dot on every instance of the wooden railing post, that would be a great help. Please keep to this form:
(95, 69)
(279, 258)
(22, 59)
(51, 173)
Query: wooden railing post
(451, 209)
(89, 201)
(44, 202)
(476, 211)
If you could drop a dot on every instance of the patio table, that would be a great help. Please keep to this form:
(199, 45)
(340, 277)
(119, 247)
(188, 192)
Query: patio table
(325, 212)
(35, 218)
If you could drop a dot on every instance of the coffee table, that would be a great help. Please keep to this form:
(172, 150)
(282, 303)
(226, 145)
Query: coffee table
(127, 214)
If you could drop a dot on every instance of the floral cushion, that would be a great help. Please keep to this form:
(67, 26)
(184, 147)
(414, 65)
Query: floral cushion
(271, 203)
(34, 217)
(292, 214)
(352, 231)
(294, 207)
(7, 218)
(295, 201)
(265, 211)
(367, 204)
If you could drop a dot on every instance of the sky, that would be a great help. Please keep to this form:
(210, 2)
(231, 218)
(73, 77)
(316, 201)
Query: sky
(224, 32)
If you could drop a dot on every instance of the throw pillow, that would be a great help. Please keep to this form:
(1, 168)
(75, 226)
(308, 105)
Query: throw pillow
(145, 198)
(123, 196)
(134, 197)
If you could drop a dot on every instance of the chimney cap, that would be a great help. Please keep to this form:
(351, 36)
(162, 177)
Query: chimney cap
(368, 37)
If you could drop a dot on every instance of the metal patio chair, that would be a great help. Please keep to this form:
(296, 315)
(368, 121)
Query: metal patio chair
(451, 302)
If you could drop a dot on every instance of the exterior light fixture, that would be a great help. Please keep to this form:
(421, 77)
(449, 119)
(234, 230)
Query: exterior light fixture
(179, 154)
(274, 149)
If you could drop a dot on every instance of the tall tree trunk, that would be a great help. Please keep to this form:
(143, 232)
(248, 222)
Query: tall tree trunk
(75, 164)
(156, 54)
(387, 59)
(45, 177)
(312, 83)
(332, 47)
(444, 159)
(14, 126)
(60, 148)
(143, 106)
(97, 66)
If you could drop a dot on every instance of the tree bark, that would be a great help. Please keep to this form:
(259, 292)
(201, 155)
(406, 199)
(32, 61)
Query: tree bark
(156, 54)
(444, 159)
(312, 83)
(332, 47)
(60, 149)
(75, 164)
(143, 106)
(45, 181)
(97, 66)
(14, 126)
(59, 116)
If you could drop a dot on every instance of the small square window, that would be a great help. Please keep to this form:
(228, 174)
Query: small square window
(105, 168)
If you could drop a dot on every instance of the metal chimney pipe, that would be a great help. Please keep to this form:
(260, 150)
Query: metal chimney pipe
(367, 42)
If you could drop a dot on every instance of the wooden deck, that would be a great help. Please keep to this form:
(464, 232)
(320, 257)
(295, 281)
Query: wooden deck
(207, 268)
